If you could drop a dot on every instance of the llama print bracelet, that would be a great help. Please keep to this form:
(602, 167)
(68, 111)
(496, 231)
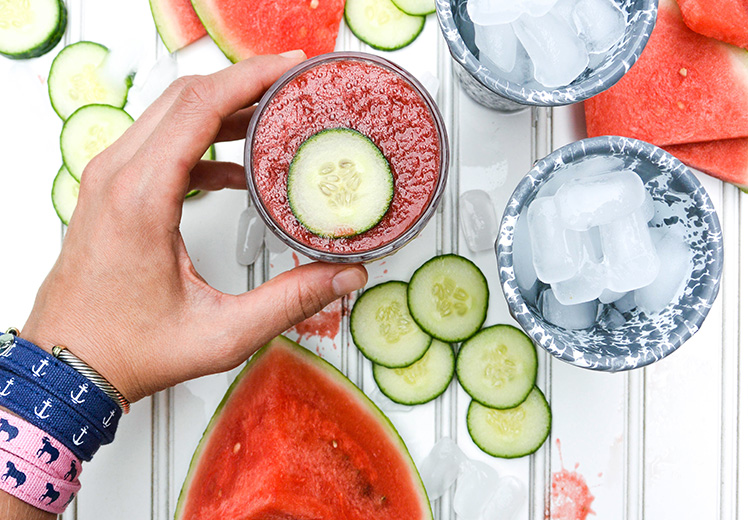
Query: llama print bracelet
(37, 447)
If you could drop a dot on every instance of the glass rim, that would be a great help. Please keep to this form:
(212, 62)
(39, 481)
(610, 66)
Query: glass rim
(436, 195)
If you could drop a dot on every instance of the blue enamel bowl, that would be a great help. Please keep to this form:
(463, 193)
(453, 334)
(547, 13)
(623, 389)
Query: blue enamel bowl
(644, 338)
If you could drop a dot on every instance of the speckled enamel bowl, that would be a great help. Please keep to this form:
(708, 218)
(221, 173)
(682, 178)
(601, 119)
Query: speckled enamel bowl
(643, 339)
(489, 89)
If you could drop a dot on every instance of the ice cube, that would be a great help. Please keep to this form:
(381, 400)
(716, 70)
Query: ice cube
(120, 62)
(507, 501)
(629, 253)
(598, 200)
(600, 23)
(149, 86)
(675, 256)
(478, 219)
(608, 296)
(611, 318)
(522, 254)
(523, 72)
(556, 252)
(249, 237)
(585, 286)
(537, 7)
(441, 466)
(386, 404)
(647, 207)
(581, 316)
(626, 303)
(476, 485)
(273, 243)
(564, 9)
(491, 12)
(587, 167)
(558, 54)
(497, 45)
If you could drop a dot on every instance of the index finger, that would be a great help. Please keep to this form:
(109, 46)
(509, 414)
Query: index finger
(190, 126)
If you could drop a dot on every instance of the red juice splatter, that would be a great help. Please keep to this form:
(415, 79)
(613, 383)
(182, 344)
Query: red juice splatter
(324, 324)
(296, 261)
(570, 495)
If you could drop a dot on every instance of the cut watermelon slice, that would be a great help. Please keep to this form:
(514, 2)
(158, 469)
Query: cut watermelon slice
(244, 28)
(726, 20)
(177, 23)
(294, 438)
(726, 159)
(685, 88)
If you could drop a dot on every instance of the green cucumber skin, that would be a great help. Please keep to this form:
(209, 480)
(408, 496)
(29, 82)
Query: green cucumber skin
(400, 4)
(514, 455)
(417, 402)
(469, 334)
(381, 47)
(48, 44)
(354, 334)
(483, 402)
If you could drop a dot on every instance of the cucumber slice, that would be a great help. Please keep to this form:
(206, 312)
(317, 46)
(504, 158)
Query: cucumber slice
(381, 25)
(382, 328)
(497, 367)
(514, 432)
(30, 28)
(89, 131)
(65, 194)
(448, 298)
(416, 7)
(421, 382)
(76, 79)
(339, 183)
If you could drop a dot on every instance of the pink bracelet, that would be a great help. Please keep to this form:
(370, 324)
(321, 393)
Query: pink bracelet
(38, 448)
(35, 487)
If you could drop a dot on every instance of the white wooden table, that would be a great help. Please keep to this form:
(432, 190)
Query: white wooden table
(659, 443)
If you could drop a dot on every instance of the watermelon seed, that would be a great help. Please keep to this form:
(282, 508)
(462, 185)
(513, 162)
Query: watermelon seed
(334, 443)
(683, 72)
(237, 447)
(681, 105)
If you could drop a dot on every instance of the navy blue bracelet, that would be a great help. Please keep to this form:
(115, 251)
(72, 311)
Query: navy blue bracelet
(56, 398)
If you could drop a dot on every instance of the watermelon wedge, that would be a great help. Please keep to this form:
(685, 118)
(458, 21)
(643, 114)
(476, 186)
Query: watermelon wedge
(244, 28)
(684, 88)
(726, 159)
(177, 23)
(725, 20)
(294, 439)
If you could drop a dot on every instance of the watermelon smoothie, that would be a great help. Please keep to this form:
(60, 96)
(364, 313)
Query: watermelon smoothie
(372, 96)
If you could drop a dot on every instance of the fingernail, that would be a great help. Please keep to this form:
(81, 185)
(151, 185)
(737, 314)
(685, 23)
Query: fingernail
(347, 281)
(298, 53)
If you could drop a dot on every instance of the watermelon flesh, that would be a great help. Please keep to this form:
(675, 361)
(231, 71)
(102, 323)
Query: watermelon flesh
(294, 439)
(684, 88)
(245, 28)
(177, 23)
(726, 159)
(725, 20)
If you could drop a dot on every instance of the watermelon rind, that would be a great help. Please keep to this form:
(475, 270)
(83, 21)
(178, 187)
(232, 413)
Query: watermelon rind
(175, 33)
(337, 377)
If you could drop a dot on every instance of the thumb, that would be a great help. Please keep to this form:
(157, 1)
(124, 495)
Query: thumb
(256, 317)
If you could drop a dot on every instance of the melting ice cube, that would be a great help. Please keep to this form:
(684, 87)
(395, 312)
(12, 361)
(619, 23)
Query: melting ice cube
(585, 286)
(593, 201)
(497, 45)
(626, 302)
(491, 12)
(608, 296)
(675, 255)
(600, 23)
(385, 403)
(611, 318)
(478, 219)
(556, 251)
(507, 501)
(441, 466)
(476, 486)
(249, 236)
(629, 253)
(558, 54)
(581, 316)
(273, 243)
(522, 254)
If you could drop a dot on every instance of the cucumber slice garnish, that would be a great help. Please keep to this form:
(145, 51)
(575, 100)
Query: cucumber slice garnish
(89, 131)
(380, 24)
(30, 28)
(65, 194)
(448, 298)
(514, 432)
(382, 328)
(421, 382)
(339, 183)
(416, 7)
(497, 367)
(76, 79)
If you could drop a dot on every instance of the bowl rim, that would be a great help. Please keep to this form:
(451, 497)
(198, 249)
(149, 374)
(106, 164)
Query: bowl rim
(629, 53)
(409, 234)
(528, 186)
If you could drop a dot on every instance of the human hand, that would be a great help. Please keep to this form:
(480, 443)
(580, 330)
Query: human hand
(124, 295)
